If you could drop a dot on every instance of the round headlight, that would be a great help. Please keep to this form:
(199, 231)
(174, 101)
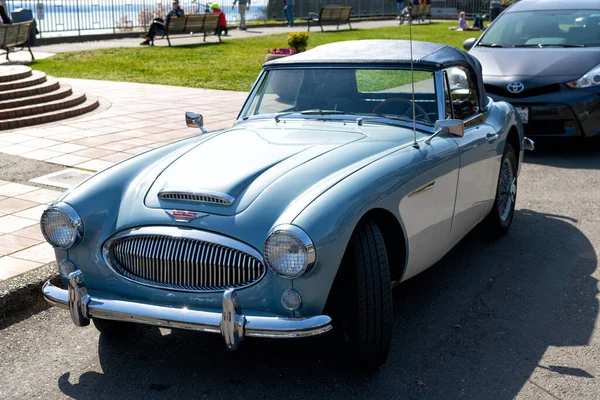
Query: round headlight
(61, 226)
(289, 251)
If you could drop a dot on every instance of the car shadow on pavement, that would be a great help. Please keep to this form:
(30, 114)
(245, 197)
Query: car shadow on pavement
(477, 323)
(575, 153)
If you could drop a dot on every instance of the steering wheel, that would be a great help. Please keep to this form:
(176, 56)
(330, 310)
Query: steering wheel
(401, 100)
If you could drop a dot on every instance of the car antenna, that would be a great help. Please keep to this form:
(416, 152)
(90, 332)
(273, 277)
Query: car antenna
(412, 80)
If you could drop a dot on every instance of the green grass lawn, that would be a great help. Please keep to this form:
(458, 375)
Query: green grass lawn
(230, 65)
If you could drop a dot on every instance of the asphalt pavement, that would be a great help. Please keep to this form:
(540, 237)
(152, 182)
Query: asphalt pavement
(516, 317)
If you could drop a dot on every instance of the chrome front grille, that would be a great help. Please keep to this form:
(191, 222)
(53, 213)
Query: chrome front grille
(186, 262)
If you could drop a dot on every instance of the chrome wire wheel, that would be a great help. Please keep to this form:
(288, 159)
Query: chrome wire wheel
(507, 190)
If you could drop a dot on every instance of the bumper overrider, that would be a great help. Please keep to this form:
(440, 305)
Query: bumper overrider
(231, 323)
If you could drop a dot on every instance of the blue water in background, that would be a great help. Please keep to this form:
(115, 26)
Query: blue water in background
(57, 18)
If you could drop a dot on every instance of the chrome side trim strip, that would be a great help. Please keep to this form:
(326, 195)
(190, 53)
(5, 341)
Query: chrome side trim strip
(230, 323)
(202, 196)
(425, 188)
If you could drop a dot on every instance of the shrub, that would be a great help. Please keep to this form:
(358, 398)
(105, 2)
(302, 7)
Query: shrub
(298, 41)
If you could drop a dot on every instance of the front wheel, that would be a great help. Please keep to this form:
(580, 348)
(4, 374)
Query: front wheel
(366, 314)
(500, 218)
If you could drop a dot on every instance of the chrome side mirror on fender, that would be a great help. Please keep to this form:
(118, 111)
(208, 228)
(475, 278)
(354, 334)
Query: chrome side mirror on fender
(194, 120)
(452, 127)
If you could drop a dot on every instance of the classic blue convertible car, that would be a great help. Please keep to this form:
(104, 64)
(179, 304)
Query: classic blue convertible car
(346, 173)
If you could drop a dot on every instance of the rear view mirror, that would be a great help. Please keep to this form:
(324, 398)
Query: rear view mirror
(452, 127)
(194, 120)
(468, 44)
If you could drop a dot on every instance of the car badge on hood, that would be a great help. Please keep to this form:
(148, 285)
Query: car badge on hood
(185, 216)
(515, 87)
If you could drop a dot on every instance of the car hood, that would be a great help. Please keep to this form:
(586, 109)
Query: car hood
(243, 163)
(549, 65)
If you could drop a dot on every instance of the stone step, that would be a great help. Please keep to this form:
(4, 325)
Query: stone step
(14, 72)
(36, 78)
(49, 85)
(90, 104)
(60, 93)
(33, 109)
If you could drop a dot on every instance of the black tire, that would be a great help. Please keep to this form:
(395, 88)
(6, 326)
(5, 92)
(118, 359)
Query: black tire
(366, 314)
(114, 329)
(499, 220)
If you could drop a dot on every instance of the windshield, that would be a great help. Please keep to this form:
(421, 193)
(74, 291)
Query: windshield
(563, 28)
(345, 91)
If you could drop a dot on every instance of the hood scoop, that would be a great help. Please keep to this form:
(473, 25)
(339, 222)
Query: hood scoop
(203, 196)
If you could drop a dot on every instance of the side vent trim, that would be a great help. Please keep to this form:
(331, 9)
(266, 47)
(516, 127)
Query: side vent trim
(204, 196)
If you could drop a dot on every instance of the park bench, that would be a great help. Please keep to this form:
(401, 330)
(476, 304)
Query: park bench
(417, 12)
(330, 15)
(15, 35)
(192, 24)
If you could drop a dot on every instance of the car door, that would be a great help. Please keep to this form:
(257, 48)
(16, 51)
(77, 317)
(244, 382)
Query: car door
(478, 155)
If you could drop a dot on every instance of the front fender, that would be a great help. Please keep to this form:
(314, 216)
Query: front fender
(331, 218)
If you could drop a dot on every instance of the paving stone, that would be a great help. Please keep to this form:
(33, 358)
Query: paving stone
(10, 243)
(14, 189)
(10, 266)
(31, 232)
(12, 205)
(11, 223)
(43, 196)
(42, 253)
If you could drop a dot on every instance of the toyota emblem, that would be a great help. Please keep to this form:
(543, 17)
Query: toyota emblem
(515, 87)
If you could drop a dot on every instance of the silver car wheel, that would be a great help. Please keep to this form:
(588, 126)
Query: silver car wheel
(508, 190)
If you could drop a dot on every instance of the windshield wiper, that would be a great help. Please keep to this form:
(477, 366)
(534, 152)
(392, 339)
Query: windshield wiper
(282, 114)
(548, 45)
(489, 45)
(379, 118)
(322, 112)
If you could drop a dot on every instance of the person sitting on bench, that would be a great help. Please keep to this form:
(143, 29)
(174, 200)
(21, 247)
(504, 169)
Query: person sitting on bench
(222, 27)
(160, 24)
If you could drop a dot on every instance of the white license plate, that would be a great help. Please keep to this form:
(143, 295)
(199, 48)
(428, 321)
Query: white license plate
(524, 113)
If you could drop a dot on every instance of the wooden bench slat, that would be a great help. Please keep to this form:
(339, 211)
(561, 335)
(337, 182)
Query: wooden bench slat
(14, 35)
(336, 15)
(195, 23)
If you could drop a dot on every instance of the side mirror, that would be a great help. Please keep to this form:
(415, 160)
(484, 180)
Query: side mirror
(194, 120)
(468, 44)
(452, 127)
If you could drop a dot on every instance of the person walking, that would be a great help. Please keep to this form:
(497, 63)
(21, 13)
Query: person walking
(288, 10)
(243, 5)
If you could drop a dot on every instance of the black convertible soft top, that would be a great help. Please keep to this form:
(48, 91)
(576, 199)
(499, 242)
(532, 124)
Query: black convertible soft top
(393, 52)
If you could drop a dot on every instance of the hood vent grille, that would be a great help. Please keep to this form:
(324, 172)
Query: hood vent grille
(199, 197)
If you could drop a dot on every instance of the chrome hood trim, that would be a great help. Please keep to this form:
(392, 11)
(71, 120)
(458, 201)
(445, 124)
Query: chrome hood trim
(203, 196)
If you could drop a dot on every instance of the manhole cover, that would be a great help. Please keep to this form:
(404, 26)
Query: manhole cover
(65, 179)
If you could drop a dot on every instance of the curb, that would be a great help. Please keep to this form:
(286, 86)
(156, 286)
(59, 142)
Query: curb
(25, 290)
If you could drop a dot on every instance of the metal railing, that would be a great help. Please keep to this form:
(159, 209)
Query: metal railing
(81, 17)
(84, 17)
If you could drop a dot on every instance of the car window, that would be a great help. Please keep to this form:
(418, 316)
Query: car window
(463, 94)
(544, 28)
(355, 91)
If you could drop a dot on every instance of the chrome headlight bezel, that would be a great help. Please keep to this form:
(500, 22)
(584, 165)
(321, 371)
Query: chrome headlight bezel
(72, 218)
(302, 239)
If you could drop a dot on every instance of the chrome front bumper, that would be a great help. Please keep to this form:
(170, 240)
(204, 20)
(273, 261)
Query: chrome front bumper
(231, 323)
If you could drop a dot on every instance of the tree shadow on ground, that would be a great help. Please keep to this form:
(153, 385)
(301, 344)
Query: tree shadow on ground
(477, 323)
